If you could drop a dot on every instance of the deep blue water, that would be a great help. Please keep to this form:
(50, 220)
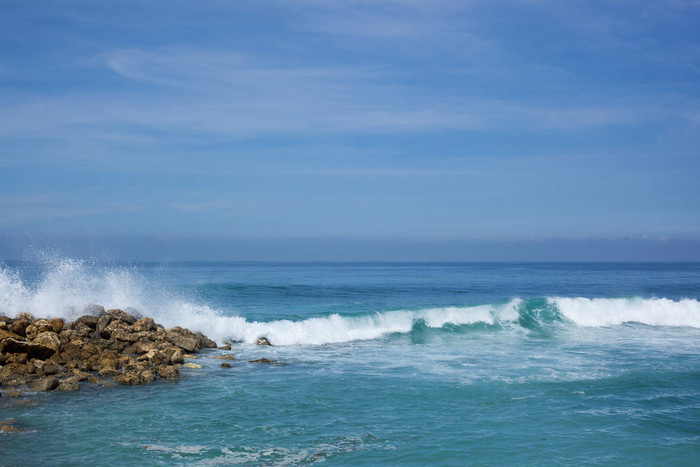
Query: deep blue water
(447, 364)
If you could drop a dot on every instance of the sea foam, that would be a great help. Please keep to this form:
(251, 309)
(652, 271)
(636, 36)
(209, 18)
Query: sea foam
(67, 287)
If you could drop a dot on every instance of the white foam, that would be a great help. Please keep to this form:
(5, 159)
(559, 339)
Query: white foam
(596, 312)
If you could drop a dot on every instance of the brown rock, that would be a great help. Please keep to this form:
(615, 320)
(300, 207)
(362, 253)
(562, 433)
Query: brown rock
(167, 372)
(81, 375)
(225, 365)
(128, 379)
(225, 347)
(57, 324)
(261, 341)
(260, 360)
(13, 393)
(121, 315)
(177, 358)
(26, 316)
(69, 384)
(19, 326)
(224, 357)
(49, 340)
(9, 429)
(89, 321)
(48, 383)
(205, 342)
(148, 376)
(183, 338)
(32, 349)
(109, 372)
(144, 324)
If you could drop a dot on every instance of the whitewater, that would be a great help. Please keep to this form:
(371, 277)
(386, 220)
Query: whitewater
(425, 363)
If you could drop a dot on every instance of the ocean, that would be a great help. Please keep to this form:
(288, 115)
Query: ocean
(380, 363)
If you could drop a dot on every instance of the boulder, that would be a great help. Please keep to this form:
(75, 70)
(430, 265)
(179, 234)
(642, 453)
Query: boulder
(148, 376)
(69, 384)
(167, 372)
(183, 338)
(57, 323)
(144, 324)
(128, 379)
(32, 349)
(19, 326)
(192, 366)
(48, 383)
(205, 342)
(121, 315)
(49, 340)
(88, 320)
(225, 347)
(225, 365)
(261, 341)
(38, 327)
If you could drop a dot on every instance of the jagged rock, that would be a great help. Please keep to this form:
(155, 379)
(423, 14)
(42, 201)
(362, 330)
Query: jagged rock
(205, 342)
(49, 340)
(69, 384)
(128, 379)
(261, 341)
(38, 327)
(88, 320)
(167, 372)
(48, 383)
(144, 324)
(183, 338)
(148, 376)
(177, 358)
(121, 316)
(225, 365)
(32, 349)
(19, 326)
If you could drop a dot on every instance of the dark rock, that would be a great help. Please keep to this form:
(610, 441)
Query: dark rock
(225, 347)
(260, 360)
(88, 320)
(48, 383)
(225, 365)
(261, 341)
(19, 326)
(32, 349)
(205, 342)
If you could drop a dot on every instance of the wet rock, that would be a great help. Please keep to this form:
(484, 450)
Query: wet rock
(183, 338)
(192, 366)
(205, 342)
(121, 315)
(144, 324)
(69, 384)
(224, 357)
(88, 320)
(225, 365)
(167, 372)
(148, 376)
(9, 429)
(261, 360)
(13, 393)
(225, 347)
(261, 341)
(128, 379)
(48, 383)
(177, 358)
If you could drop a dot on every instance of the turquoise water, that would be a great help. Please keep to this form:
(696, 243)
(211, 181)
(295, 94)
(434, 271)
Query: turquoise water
(448, 364)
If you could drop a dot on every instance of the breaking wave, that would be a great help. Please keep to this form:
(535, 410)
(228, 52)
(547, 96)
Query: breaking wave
(68, 287)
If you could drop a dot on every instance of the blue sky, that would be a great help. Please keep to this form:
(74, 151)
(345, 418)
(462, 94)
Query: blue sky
(423, 122)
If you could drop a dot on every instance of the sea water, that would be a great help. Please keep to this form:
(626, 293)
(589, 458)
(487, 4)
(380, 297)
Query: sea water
(400, 364)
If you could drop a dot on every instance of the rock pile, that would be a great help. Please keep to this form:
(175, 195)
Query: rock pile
(50, 354)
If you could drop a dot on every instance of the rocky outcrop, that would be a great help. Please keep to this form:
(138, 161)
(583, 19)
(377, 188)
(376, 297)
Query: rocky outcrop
(50, 354)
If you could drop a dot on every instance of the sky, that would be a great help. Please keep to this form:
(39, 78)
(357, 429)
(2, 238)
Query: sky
(356, 129)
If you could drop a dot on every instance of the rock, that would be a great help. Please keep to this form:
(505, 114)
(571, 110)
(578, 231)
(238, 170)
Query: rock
(48, 383)
(121, 315)
(32, 349)
(225, 365)
(205, 342)
(9, 429)
(38, 327)
(183, 338)
(49, 340)
(148, 376)
(94, 310)
(88, 320)
(128, 379)
(261, 341)
(109, 372)
(225, 347)
(192, 366)
(144, 324)
(13, 394)
(191, 357)
(167, 372)
(26, 316)
(57, 324)
(177, 358)
(11, 371)
(224, 357)
(260, 360)
(81, 375)
(69, 384)
(19, 326)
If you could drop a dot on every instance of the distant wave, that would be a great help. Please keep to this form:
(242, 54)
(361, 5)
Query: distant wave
(68, 286)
